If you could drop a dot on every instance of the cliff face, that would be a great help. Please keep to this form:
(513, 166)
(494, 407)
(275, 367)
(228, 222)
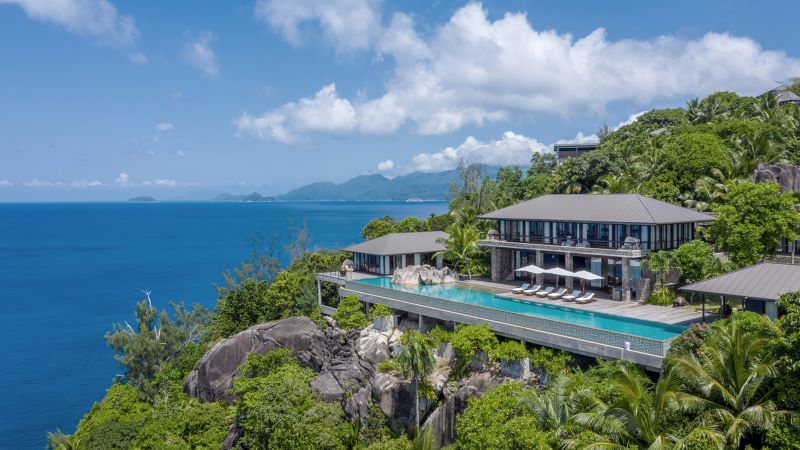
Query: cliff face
(347, 366)
(787, 176)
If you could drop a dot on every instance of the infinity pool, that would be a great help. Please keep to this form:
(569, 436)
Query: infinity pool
(479, 296)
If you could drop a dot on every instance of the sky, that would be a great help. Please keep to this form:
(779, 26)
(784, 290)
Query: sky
(109, 99)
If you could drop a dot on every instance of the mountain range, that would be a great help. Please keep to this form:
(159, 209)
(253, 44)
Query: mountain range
(416, 186)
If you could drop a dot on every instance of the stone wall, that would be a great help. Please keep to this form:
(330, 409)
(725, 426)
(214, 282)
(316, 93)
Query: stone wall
(501, 263)
(786, 175)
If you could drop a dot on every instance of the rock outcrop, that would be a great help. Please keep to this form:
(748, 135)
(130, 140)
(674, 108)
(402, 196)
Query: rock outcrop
(346, 363)
(217, 368)
(787, 176)
(415, 275)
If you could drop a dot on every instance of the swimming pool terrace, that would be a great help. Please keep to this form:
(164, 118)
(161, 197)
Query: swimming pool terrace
(543, 322)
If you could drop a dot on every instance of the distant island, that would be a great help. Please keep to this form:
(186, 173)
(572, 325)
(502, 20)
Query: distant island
(142, 198)
(252, 197)
(414, 187)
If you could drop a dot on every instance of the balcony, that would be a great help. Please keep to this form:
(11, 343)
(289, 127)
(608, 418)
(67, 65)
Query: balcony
(590, 247)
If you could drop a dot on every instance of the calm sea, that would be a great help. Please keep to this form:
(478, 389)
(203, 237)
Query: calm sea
(68, 271)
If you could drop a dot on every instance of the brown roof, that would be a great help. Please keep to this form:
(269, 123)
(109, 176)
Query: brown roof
(765, 281)
(599, 208)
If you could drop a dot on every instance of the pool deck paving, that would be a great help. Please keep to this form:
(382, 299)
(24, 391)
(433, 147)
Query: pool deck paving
(635, 310)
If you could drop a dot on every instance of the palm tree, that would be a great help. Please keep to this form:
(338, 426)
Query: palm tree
(636, 417)
(415, 361)
(732, 373)
(553, 408)
(659, 262)
(461, 243)
(693, 110)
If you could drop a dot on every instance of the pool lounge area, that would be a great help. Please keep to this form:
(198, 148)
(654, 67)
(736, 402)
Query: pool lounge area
(535, 320)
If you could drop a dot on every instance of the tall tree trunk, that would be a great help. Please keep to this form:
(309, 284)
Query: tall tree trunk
(466, 265)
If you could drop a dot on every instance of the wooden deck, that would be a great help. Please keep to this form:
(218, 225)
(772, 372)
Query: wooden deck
(635, 310)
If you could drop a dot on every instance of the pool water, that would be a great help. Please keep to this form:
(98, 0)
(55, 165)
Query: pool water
(480, 296)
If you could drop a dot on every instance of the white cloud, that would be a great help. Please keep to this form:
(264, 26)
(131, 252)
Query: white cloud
(37, 183)
(180, 153)
(98, 19)
(472, 70)
(86, 184)
(123, 180)
(326, 112)
(199, 54)
(347, 24)
(385, 166)
(510, 149)
(165, 126)
(137, 58)
(5, 183)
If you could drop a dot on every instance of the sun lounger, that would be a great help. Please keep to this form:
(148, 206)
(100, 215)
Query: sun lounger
(557, 294)
(518, 290)
(588, 298)
(571, 297)
(532, 290)
(545, 292)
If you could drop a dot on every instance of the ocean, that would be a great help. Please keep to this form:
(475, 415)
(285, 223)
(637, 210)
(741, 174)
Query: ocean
(70, 270)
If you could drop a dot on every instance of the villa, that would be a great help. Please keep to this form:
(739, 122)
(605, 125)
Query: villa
(383, 255)
(607, 235)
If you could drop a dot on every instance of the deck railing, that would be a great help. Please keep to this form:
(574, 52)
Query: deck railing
(617, 252)
(641, 344)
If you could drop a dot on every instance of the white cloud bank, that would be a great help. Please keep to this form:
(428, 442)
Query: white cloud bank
(472, 70)
(385, 166)
(122, 181)
(5, 184)
(199, 54)
(97, 19)
(510, 149)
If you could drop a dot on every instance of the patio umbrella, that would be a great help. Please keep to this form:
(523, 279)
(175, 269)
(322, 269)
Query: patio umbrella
(532, 269)
(586, 275)
(559, 272)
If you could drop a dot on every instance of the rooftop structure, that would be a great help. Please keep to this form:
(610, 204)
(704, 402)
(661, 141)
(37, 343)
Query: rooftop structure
(572, 150)
(758, 286)
(396, 250)
(784, 96)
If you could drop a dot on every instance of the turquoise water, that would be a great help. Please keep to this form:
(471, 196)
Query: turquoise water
(653, 330)
(69, 270)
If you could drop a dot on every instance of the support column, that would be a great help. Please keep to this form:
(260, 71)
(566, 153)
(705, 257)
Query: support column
(568, 266)
(540, 263)
(417, 259)
(405, 260)
(626, 279)
(420, 318)
(439, 262)
(319, 293)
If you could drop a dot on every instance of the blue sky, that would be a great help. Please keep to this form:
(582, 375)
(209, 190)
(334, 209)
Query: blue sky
(107, 99)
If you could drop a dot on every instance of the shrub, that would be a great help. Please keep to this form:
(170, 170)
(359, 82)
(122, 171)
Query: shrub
(553, 361)
(509, 351)
(379, 311)
(440, 334)
(350, 314)
(388, 365)
(468, 339)
(262, 365)
(661, 297)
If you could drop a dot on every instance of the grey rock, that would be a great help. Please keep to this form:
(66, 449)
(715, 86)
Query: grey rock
(443, 419)
(786, 175)
(395, 397)
(234, 433)
(218, 367)
(414, 275)
(358, 404)
(373, 346)
(515, 369)
(326, 388)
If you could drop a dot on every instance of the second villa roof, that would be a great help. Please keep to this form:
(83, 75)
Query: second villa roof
(599, 208)
(401, 243)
